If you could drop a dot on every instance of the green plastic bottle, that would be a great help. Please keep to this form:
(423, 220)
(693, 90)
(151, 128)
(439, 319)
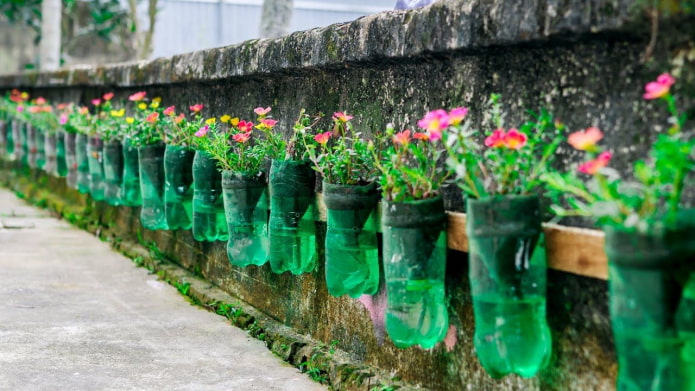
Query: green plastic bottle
(9, 143)
(414, 268)
(507, 271)
(21, 144)
(40, 140)
(246, 209)
(31, 145)
(82, 155)
(113, 172)
(50, 147)
(151, 159)
(352, 257)
(178, 186)
(61, 164)
(209, 221)
(291, 226)
(95, 156)
(5, 133)
(71, 159)
(130, 187)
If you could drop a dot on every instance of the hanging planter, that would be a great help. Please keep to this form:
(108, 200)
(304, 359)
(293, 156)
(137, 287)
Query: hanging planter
(95, 156)
(71, 159)
(209, 222)
(61, 164)
(508, 281)
(82, 155)
(178, 189)
(414, 248)
(50, 148)
(113, 172)
(21, 149)
(246, 210)
(151, 158)
(32, 146)
(4, 131)
(652, 307)
(291, 227)
(10, 140)
(130, 187)
(352, 260)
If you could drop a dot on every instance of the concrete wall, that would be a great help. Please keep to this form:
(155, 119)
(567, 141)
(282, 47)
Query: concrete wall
(581, 59)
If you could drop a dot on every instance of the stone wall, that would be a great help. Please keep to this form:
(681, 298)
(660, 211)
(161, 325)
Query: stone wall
(583, 60)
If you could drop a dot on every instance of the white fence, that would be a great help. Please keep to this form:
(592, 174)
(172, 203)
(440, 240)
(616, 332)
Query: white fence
(189, 25)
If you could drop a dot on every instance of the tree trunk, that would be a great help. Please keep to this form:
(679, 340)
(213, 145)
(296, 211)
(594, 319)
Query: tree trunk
(275, 18)
(49, 50)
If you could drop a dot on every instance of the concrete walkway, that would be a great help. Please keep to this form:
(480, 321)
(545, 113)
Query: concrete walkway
(75, 315)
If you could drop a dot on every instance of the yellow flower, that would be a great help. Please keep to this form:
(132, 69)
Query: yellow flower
(129, 120)
(234, 121)
(157, 100)
(142, 106)
(211, 121)
(118, 113)
(225, 118)
(154, 105)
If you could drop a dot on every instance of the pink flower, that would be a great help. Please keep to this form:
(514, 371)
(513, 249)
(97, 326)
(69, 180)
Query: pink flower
(40, 101)
(83, 110)
(245, 126)
(261, 111)
(63, 119)
(514, 139)
(108, 96)
(269, 122)
(456, 115)
(242, 137)
(660, 87)
(421, 136)
(152, 118)
(593, 166)
(196, 108)
(138, 96)
(402, 138)
(179, 118)
(586, 139)
(202, 131)
(34, 109)
(96, 102)
(435, 121)
(322, 138)
(342, 117)
(170, 110)
(20, 109)
(496, 139)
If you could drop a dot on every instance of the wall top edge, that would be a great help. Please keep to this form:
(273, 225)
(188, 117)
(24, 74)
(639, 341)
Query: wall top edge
(445, 26)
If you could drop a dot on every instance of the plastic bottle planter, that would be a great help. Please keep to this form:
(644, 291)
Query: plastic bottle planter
(352, 259)
(95, 154)
(130, 187)
(19, 134)
(9, 142)
(246, 209)
(113, 172)
(81, 144)
(209, 222)
(71, 159)
(652, 307)
(3, 137)
(414, 250)
(508, 282)
(178, 189)
(32, 146)
(50, 148)
(291, 227)
(61, 163)
(152, 186)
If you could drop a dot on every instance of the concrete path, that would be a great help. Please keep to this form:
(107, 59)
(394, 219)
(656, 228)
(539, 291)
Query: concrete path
(75, 315)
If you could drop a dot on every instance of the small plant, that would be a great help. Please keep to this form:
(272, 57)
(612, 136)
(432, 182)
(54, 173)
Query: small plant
(183, 287)
(178, 129)
(651, 199)
(293, 149)
(145, 128)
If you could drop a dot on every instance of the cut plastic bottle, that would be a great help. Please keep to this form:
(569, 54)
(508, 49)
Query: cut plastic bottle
(82, 155)
(414, 248)
(61, 164)
(95, 156)
(178, 186)
(246, 208)
(209, 221)
(71, 159)
(291, 227)
(151, 158)
(352, 256)
(50, 148)
(130, 187)
(113, 172)
(507, 271)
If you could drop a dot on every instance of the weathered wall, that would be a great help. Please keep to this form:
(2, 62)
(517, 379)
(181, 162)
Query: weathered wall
(581, 59)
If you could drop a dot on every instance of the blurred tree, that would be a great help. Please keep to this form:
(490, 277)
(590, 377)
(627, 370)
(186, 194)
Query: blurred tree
(275, 18)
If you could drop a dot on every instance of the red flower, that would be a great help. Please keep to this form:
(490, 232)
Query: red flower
(245, 126)
(586, 139)
(196, 108)
(496, 139)
(402, 138)
(242, 137)
(179, 118)
(152, 118)
(138, 96)
(593, 166)
(170, 110)
(108, 96)
(514, 139)
(421, 136)
(322, 138)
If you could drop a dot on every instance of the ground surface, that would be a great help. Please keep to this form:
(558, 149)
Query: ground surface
(75, 315)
